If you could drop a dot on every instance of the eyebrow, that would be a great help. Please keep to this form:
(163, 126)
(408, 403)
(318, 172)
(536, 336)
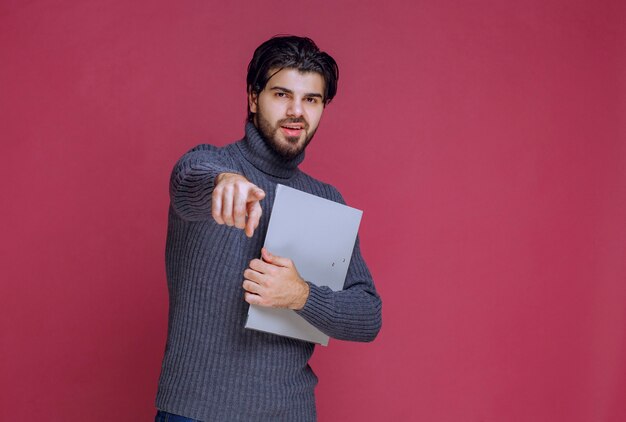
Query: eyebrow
(288, 91)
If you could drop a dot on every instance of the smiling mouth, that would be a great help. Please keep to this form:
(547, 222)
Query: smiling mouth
(292, 130)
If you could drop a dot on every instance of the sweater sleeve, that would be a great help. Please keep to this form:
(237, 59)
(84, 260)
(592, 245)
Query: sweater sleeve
(354, 313)
(192, 181)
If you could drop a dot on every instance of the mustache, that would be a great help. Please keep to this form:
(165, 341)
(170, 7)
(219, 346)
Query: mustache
(293, 120)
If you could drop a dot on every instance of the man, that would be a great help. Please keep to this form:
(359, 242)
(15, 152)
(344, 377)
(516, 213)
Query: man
(214, 369)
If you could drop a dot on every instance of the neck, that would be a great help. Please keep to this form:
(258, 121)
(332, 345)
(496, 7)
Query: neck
(256, 150)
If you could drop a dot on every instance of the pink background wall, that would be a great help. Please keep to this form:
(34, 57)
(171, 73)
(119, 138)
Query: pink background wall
(485, 140)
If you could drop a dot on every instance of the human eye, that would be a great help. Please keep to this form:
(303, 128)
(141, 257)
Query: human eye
(311, 100)
(279, 94)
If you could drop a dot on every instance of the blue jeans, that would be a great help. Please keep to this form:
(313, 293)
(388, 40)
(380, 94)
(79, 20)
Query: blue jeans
(170, 417)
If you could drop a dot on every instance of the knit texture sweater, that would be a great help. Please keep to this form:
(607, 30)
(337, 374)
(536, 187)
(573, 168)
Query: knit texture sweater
(214, 369)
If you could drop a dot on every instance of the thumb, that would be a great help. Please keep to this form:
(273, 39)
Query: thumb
(275, 260)
(255, 194)
(266, 255)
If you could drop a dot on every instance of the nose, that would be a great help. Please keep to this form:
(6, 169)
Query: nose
(294, 109)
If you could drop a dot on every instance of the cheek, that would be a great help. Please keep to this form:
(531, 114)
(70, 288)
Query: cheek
(272, 111)
(314, 118)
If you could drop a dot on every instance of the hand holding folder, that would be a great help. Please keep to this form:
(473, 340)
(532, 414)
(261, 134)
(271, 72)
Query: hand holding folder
(274, 281)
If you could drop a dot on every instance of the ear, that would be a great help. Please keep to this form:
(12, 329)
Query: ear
(253, 98)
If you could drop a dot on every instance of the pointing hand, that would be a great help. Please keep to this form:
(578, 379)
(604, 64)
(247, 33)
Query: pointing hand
(237, 202)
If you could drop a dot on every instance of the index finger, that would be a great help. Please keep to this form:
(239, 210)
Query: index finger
(254, 216)
(260, 266)
(216, 206)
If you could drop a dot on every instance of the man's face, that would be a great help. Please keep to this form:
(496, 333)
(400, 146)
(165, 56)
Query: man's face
(288, 111)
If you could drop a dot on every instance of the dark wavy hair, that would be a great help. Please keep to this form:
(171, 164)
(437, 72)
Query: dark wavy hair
(290, 52)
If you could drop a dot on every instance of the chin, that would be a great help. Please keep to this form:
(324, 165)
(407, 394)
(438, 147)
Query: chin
(287, 150)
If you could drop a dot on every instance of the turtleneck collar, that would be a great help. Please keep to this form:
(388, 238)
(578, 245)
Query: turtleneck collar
(254, 149)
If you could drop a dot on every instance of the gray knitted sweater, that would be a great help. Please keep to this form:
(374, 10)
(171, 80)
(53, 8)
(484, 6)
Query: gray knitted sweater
(214, 369)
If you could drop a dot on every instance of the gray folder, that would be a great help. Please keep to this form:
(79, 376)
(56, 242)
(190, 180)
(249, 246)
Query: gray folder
(318, 235)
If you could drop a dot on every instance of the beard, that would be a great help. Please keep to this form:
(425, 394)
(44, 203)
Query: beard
(291, 146)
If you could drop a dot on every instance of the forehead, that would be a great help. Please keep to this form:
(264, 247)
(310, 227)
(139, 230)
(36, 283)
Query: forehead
(296, 81)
